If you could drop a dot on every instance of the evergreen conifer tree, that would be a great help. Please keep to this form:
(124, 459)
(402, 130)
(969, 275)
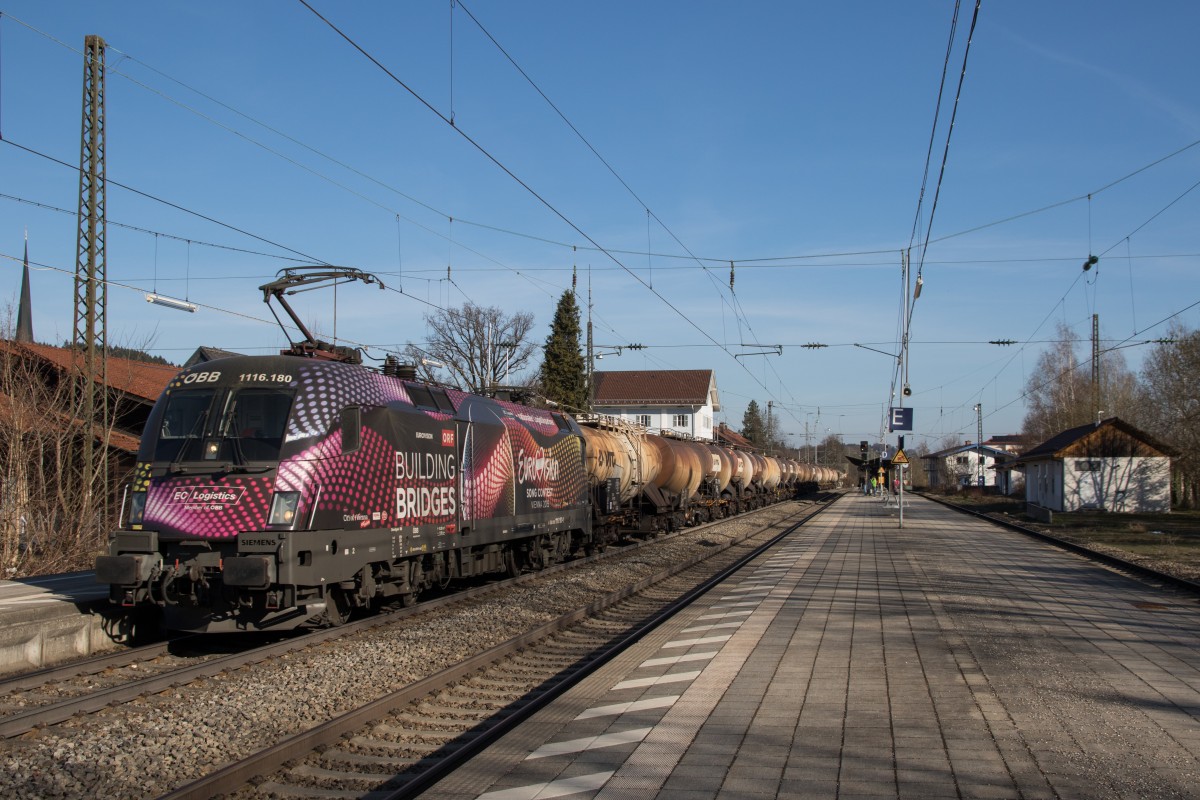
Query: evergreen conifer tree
(753, 427)
(564, 379)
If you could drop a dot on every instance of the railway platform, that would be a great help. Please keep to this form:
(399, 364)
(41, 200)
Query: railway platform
(50, 619)
(951, 658)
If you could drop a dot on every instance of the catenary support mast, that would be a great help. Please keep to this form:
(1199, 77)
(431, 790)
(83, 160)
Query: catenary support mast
(91, 287)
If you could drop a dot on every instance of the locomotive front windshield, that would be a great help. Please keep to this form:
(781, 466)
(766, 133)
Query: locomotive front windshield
(215, 425)
(183, 422)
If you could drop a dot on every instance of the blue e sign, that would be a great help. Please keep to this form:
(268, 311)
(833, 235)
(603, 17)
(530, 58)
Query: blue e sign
(902, 419)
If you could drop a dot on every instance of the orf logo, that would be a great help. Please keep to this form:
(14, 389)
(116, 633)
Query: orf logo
(448, 437)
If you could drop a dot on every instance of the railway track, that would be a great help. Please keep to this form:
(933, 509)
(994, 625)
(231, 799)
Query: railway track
(46, 697)
(1109, 559)
(401, 744)
(144, 711)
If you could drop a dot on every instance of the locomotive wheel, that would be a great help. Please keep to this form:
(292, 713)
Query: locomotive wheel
(415, 576)
(337, 607)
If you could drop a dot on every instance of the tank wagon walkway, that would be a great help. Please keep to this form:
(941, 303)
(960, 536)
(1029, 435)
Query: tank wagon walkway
(951, 658)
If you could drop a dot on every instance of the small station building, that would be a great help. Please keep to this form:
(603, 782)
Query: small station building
(1109, 465)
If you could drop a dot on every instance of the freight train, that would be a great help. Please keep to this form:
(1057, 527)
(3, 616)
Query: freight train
(274, 492)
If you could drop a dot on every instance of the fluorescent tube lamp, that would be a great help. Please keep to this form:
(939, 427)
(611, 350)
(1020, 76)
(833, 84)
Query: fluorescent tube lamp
(171, 302)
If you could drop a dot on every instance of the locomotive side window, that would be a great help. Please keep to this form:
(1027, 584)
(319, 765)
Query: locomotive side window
(183, 421)
(421, 396)
(442, 401)
(351, 429)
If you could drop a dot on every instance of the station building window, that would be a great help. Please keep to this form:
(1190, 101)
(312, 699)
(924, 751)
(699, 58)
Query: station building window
(643, 420)
(681, 420)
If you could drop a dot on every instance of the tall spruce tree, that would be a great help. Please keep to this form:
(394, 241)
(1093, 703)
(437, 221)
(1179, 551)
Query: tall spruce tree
(753, 426)
(564, 379)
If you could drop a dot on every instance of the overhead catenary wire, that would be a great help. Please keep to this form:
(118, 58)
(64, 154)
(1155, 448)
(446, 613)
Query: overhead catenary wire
(808, 262)
(1080, 274)
(907, 308)
(169, 204)
(290, 160)
(738, 311)
(714, 260)
(507, 171)
(154, 233)
(207, 306)
(949, 132)
(460, 269)
(367, 176)
(937, 109)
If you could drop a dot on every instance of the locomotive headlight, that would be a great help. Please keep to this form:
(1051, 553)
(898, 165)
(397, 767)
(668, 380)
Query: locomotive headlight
(283, 508)
(137, 507)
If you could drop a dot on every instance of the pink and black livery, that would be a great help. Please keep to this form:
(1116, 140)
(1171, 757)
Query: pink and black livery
(278, 491)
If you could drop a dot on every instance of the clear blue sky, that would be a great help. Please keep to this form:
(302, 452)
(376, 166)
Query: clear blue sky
(790, 137)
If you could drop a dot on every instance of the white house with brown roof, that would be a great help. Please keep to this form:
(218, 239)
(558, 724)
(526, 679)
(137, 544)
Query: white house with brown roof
(967, 465)
(682, 400)
(1109, 465)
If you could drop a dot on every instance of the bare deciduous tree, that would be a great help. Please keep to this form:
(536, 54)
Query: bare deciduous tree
(51, 516)
(477, 347)
(51, 513)
(1059, 390)
(1170, 407)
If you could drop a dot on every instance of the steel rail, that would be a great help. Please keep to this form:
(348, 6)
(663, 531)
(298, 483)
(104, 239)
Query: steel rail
(86, 666)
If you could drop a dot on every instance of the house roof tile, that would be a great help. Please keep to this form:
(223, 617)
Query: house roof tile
(140, 379)
(655, 387)
(1055, 445)
(732, 437)
(994, 452)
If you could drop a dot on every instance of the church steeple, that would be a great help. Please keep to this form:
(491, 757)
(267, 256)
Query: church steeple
(25, 309)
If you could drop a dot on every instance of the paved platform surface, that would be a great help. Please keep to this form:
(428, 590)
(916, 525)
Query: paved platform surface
(949, 659)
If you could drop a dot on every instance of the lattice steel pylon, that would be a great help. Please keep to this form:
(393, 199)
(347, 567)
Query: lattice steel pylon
(91, 287)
